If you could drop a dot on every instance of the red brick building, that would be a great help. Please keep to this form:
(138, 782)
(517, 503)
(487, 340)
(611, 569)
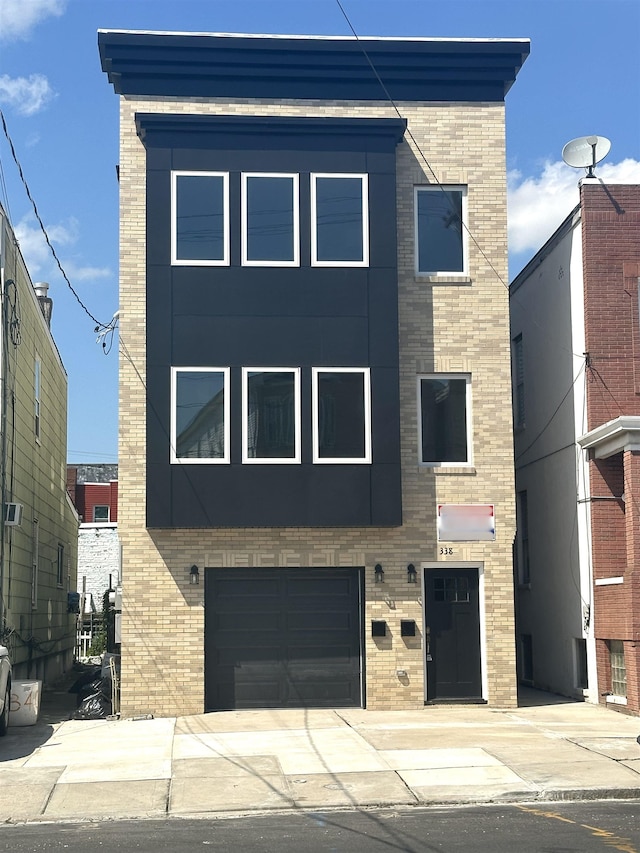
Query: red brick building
(576, 335)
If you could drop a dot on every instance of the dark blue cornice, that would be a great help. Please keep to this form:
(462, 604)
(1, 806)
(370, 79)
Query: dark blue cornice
(278, 67)
(160, 130)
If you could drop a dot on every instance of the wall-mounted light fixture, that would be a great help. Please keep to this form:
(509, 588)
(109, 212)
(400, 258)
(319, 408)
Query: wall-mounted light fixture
(194, 575)
(412, 575)
(379, 573)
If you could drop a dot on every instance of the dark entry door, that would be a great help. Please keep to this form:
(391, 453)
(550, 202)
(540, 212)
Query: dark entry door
(452, 635)
(282, 638)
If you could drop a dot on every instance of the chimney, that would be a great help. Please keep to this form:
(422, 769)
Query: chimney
(41, 288)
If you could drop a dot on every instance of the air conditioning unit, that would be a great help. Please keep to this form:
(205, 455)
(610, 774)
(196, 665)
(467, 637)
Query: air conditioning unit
(13, 514)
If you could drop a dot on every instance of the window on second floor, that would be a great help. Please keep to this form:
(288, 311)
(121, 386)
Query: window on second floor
(444, 407)
(522, 551)
(518, 382)
(341, 415)
(37, 390)
(440, 232)
(339, 220)
(60, 566)
(271, 415)
(101, 513)
(200, 414)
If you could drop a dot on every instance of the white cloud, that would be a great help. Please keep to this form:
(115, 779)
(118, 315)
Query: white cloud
(537, 205)
(27, 95)
(37, 254)
(19, 17)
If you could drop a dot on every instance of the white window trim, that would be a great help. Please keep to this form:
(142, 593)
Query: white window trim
(364, 183)
(467, 377)
(180, 460)
(295, 183)
(187, 262)
(261, 460)
(317, 459)
(443, 274)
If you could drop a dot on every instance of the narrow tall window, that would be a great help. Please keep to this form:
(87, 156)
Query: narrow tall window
(271, 414)
(522, 510)
(444, 402)
(200, 414)
(37, 390)
(526, 658)
(518, 382)
(339, 220)
(270, 227)
(200, 218)
(341, 415)
(35, 560)
(60, 566)
(440, 233)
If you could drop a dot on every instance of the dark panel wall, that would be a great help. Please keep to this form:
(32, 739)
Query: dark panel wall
(272, 317)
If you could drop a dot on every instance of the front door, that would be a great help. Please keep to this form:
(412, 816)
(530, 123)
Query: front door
(452, 635)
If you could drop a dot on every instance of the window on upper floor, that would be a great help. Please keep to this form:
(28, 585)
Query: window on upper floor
(517, 357)
(200, 414)
(341, 400)
(271, 415)
(270, 228)
(37, 390)
(200, 218)
(101, 513)
(440, 230)
(522, 541)
(444, 402)
(60, 566)
(270, 218)
(339, 220)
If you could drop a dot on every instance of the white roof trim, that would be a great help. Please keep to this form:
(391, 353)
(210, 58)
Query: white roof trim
(316, 38)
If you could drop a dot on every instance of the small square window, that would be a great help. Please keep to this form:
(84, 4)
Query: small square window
(271, 415)
(341, 415)
(270, 227)
(200, 415)
(200, 218)
(339, 220)
(101, 513)
(444, 404)
(440, 230)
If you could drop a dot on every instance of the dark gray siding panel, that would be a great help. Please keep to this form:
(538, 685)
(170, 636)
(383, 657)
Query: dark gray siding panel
(273, 317)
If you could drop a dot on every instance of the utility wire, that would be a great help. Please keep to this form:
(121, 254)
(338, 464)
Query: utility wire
(42, 227)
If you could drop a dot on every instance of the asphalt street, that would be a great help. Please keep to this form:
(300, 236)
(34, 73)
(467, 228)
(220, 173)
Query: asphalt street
(593, 827)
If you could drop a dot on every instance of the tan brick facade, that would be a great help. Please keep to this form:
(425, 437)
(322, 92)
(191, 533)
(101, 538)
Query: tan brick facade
(460, 327)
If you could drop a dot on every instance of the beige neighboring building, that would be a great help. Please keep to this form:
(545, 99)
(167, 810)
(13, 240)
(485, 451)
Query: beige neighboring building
(39, 525)
(316, 499)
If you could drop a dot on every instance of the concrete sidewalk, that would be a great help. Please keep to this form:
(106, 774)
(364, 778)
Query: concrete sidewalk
(257, 761)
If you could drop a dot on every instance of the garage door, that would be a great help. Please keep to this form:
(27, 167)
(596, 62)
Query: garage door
(283, 638)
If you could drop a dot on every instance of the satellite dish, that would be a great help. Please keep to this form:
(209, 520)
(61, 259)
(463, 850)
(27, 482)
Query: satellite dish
(585, 152)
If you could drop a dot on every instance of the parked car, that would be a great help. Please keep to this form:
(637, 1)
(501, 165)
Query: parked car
(5, 689)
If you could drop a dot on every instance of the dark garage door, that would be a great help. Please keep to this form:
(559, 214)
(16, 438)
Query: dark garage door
(282, 638)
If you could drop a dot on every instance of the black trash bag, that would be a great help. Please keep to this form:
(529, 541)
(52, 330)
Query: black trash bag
(93, 707)
(90, 674)
(87, 690)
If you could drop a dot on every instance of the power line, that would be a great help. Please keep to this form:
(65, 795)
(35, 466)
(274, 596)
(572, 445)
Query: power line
(42, 227)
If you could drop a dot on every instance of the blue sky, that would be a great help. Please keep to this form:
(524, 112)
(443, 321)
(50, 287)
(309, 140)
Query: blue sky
(582, 77)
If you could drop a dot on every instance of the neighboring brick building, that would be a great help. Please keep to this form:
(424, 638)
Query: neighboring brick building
(575, 331)
(307, 311)
(94, 492)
